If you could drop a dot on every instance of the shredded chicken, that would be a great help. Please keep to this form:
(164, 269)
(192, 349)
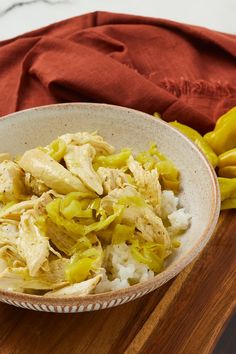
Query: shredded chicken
(18, 279)
(93, 139)
(55, 272)
(151, 227)
(55, 176)
(15, 211)
(77, 289)
(8, 244)
(33, 246)
(67, 206)
(112, 178)
(34, 185)
(147, 183)
(61, 238)
(146, 221)
(3, 265)
(9, 252)
(108, 201)
(11, 181)
(78, 160)
(8, 233)
(41, 203)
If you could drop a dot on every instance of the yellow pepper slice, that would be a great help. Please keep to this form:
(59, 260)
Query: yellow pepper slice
(169, 175)
(122, 233)
(79, 271)
(150, 254)
(105, 222)
(53, 212)
(74, 210)
(57, 149)
(113, 161)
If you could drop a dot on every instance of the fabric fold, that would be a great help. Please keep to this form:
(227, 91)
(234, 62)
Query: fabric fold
(185, 73)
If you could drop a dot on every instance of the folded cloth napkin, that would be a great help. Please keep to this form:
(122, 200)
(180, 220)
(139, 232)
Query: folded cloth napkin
(183, 72)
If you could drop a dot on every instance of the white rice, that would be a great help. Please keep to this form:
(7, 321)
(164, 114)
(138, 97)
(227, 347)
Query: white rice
(169, 203)
(123, 269)
(179, 220)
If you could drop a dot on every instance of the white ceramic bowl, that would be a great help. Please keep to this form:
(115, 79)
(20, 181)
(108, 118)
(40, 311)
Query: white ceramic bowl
(121, 127)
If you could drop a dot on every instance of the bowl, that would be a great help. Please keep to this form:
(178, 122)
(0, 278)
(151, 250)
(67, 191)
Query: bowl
(122, 127)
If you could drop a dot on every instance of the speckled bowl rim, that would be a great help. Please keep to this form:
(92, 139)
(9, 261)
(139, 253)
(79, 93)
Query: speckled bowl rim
(139, 289)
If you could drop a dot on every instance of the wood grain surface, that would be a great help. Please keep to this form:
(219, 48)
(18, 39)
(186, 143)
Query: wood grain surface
(186, 315)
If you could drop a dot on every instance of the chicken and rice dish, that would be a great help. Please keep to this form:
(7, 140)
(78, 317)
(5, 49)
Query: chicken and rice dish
(76, 217)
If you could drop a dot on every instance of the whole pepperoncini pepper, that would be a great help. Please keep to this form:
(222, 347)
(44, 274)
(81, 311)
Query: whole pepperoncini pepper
(223, 137)
(227, 164)
(198, 140)
(229, 203)
(221, 141)
(228, 192)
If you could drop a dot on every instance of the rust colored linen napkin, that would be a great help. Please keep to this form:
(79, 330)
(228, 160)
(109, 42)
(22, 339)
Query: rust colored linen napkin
(184, 72)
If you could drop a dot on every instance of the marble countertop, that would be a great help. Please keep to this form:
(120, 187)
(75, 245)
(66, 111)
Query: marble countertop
(19, 16)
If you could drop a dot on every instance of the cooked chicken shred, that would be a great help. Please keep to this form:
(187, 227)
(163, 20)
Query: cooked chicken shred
(50, 172)
(79, 160)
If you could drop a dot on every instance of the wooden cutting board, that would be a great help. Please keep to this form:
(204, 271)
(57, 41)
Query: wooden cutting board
(186, 315)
